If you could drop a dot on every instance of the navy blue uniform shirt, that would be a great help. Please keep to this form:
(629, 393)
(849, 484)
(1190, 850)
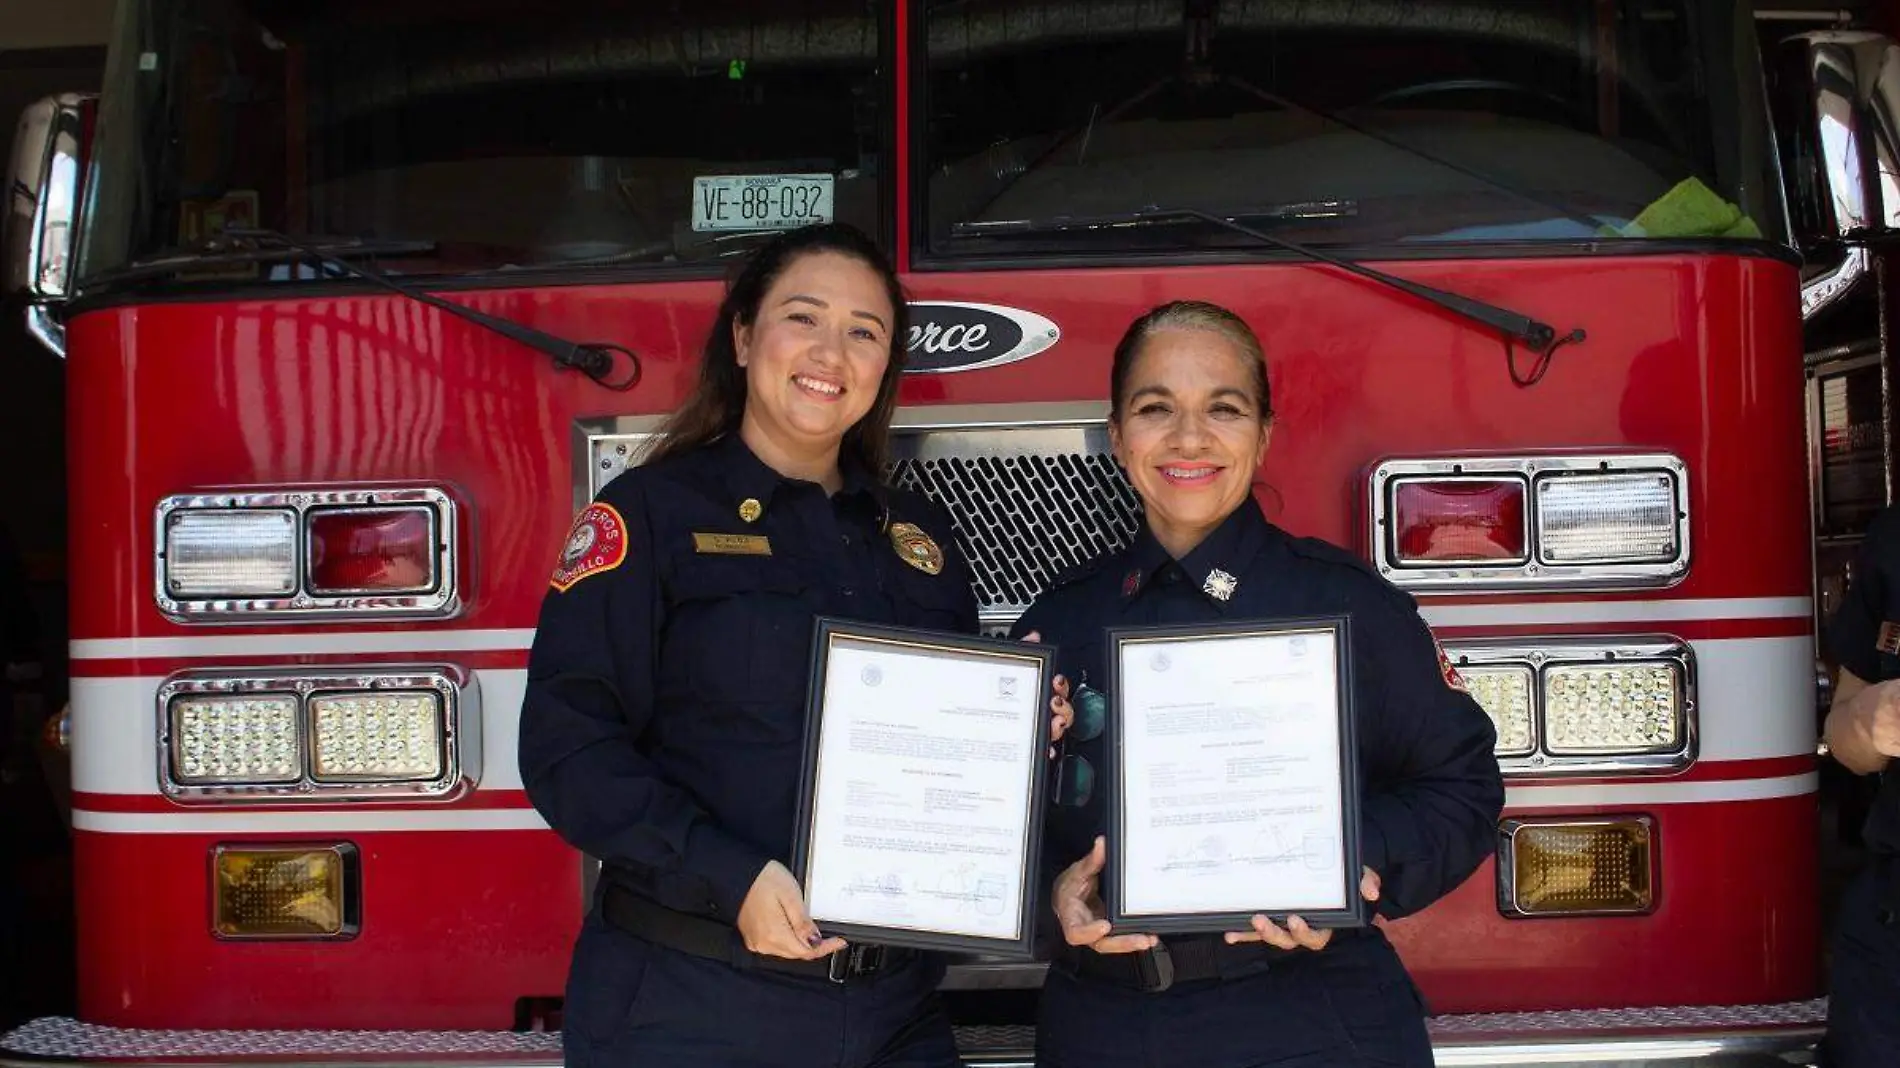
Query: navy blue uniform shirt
(1865, 638)
(663, 728)
(1431, 787)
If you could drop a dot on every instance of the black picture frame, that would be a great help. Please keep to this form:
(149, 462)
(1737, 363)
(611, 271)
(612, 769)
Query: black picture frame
(827, 632)
(1355, 912)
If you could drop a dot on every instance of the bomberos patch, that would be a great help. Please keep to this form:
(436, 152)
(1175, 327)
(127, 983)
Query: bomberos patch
(597, 542)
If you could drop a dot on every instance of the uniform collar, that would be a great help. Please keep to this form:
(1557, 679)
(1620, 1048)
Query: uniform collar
(747, 478)
(1215, 566)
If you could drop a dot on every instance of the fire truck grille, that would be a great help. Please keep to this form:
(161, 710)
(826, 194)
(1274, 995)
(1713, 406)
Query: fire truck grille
(1027, 503)
(1031, 489)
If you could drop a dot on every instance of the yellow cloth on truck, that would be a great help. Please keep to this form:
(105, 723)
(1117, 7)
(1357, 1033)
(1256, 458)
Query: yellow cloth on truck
(1691, 209)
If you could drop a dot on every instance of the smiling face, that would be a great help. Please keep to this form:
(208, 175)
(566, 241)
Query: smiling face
(814, 357)
(1189, 432)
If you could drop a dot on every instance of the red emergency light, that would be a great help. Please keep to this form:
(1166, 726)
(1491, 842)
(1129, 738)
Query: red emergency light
(371, 550)
(1450, 520)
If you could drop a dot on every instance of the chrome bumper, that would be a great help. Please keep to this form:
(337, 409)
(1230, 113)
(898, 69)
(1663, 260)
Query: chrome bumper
(1745, 1036)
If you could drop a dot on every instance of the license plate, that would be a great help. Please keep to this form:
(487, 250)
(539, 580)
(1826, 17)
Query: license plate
(760, 201)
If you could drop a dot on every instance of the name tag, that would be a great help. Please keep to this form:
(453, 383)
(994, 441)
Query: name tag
(1889, 642)
(733, 544)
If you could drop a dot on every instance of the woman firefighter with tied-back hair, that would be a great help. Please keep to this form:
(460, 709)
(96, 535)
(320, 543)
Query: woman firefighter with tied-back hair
(1190, 416)
(664, 719)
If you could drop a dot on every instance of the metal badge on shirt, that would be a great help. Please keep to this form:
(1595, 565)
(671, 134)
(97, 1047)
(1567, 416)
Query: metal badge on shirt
(1220, 585)
(917, 548)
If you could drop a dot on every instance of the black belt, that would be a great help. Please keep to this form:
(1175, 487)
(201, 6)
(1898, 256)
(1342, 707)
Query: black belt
(645, 919)
(1171, 961)
(1181, 959)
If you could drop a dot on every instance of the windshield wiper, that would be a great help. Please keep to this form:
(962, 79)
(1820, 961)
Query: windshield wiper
(1539, 337)
(219, 252)
(595, 359)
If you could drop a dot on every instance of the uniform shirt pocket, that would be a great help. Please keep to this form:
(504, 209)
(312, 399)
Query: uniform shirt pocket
(739, 630)
(934, 602)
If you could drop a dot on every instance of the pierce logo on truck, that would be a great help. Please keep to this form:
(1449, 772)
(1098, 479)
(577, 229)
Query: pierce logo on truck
(950, 336)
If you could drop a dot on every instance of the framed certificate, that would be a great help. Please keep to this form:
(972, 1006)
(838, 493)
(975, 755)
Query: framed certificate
(920, 811)
(1233, 785)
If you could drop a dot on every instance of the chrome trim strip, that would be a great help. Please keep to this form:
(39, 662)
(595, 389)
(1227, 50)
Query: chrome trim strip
(442, 601)
(1014, 416)
(1535, 573)
(457, 689)
(1783, 1047)
(1759, 1050)
(1542, 654)
(1509, 829)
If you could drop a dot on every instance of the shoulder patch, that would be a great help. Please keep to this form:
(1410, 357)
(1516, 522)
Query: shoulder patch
(1325, 552)
(1452, 678)
(597, 542)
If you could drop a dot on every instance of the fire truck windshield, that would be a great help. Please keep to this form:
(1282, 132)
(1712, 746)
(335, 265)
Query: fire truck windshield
(1344, 123)
(501, 133)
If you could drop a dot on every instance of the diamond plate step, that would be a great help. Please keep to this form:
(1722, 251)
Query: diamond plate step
(1767, 1034)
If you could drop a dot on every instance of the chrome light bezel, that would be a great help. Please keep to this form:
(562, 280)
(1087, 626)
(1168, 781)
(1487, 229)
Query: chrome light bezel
(1534, 571)
(457, 689)
(1542, 654)
(441, 600)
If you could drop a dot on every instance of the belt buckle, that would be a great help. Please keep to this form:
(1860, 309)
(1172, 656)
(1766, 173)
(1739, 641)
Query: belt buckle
(853, 961)
(1156, 968)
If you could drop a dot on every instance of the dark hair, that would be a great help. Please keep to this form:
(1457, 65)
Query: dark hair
(718, 399)
(1190, 315)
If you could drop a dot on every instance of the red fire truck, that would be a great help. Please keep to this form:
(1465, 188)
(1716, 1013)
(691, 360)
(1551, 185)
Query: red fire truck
(359, 302)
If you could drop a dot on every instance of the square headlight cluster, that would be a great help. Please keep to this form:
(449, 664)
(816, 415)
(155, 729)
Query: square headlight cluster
(1530, 522)
(1584, 705)
(332, 552)
(230, 736)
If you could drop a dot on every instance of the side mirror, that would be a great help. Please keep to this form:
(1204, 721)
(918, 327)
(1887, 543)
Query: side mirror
(41, 226)
(1847, 174)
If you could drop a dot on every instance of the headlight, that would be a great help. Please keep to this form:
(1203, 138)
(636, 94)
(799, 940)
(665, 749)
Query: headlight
(1584, 704)
(223, 739)
(397, 732)
(1629, 708)
(1606, 518)
(1504, 692)
(222, 555)
(377, 737)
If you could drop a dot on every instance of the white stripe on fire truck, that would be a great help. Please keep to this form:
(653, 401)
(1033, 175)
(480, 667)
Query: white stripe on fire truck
(450, 640)
(343, 821)
(331, 821)
(1649, 611)
(1755, 697)
(398, 641)
(1558, 795)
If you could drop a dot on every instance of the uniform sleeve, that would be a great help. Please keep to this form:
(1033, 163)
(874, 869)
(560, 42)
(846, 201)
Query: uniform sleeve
(1853, 634)
(584, 721)
(957, 568)
(1057, 819)
(1434, 790)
